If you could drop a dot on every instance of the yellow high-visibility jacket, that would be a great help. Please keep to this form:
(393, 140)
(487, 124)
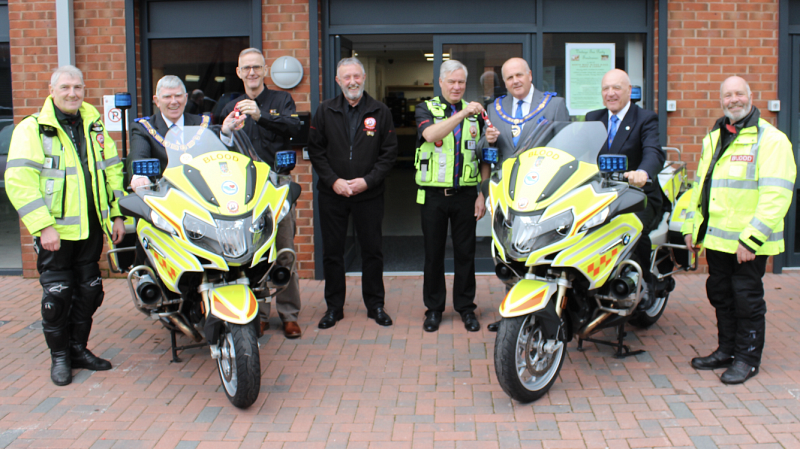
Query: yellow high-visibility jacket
(45, 180)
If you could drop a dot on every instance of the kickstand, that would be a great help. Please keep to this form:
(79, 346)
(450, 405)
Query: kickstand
(622, 349)
(176, 348)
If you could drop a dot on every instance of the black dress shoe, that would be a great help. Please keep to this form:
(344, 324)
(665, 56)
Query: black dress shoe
(738, 373)
(717, 359)
(432, 320)
(380, 316)
(470, 322)
(492, 327)
(60, 370)
(330, 318)
(83, 358)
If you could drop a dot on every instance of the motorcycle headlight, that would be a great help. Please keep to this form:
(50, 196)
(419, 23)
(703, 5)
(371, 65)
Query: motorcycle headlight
(284, 210)
(527, 233)
(262, 228)
(162, 223)
(231, 236)
(597, 220)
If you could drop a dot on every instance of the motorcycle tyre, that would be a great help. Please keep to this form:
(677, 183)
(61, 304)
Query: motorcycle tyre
(246, 366)
(505, 362)
(646, 318)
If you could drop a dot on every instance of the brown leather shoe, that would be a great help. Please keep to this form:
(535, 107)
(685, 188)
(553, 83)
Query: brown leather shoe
(292, 330)
(264, 327)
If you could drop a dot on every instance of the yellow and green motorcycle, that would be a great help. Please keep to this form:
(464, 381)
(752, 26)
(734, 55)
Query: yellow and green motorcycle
(564, 231)
(207, 230)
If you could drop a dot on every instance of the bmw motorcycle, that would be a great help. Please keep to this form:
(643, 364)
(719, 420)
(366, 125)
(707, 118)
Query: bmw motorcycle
(207, 229)
(564, 231)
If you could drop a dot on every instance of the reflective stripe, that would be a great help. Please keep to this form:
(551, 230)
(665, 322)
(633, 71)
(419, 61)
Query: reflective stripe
(119, 194)
(30, 207)
(15, 163)
(734, 184)
(725, 235)
(775, 237)
(104, 213)
(442, 167)
(690, 215)
(53, 173)
(72, 171)
(68, 221)
(776, 182)
(47, 145)
(760, 226)
(104, 164)
(751, 168)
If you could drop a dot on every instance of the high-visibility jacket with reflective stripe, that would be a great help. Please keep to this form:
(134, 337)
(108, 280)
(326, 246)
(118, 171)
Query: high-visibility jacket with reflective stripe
(435, 161)
(45, 180)
(751, 191)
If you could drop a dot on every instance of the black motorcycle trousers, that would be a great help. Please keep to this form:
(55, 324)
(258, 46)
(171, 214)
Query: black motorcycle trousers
(737, 293)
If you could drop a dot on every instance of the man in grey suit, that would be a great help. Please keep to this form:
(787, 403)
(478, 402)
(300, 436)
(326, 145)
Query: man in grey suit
(514, 117)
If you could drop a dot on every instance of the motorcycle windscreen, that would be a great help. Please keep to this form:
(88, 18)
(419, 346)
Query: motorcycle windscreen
(233, 303)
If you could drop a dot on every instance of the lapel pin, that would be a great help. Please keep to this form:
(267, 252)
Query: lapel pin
(627, 128)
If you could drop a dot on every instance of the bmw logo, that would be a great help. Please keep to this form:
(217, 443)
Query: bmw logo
(626, 239)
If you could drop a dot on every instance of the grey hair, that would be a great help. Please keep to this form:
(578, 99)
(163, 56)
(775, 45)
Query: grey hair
(350, 61)
(256, 51)
(169, 82)
(69, 70)
(746, 84)
(451, 66)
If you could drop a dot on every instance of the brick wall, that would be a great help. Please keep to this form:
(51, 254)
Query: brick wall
(709, 41)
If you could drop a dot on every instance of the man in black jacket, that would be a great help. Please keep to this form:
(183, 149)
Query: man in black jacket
(633, 132)
(352, 145)
(270, 122)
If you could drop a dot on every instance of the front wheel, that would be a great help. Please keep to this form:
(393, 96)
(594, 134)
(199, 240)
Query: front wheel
(526, 364)
(239, 364)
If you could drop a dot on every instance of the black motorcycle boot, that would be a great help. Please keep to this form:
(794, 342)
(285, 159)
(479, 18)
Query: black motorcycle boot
(60, 366)
(80, 355)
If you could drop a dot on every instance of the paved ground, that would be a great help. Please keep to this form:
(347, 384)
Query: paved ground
(359, 385)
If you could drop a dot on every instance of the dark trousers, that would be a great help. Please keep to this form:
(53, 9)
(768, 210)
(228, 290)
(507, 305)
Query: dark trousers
(459, 212)
(650, 218)
(334, 212)
(737, 293)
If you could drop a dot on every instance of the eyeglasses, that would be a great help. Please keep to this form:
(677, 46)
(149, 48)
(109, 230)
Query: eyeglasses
(255, 68)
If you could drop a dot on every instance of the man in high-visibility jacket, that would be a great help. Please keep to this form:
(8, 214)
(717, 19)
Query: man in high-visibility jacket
(743, 190)
(448, 130)
(64, 177)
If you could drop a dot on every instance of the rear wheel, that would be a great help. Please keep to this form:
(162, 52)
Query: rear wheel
(648, 317)
(526, 364)
(239, 364)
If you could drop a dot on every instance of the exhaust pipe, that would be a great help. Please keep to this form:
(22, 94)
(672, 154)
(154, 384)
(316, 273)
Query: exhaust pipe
(148, 291)
(184, 327)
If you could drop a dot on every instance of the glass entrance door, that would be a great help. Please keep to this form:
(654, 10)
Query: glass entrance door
(483, 55)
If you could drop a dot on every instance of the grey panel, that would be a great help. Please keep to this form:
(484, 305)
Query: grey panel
(209, 17)
(619, 16)
(371, 12)
(4, 23)
(794, 12)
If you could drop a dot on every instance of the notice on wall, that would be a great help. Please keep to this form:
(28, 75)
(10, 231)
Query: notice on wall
(112, 117)
(586, 65)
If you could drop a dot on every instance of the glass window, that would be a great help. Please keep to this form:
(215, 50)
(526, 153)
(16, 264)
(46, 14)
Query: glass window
(629, 53)
(208, 64)
(483, 61)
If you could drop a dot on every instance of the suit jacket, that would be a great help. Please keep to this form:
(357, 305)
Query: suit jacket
(556, 110)
(144, 146)
(637, 138)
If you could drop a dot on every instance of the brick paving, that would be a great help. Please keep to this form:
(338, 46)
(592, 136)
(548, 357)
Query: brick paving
(360, 385)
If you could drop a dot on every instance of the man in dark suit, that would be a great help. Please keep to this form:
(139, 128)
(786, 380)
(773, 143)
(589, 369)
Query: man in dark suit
(515, 117)
(633, 131)
(149, 132)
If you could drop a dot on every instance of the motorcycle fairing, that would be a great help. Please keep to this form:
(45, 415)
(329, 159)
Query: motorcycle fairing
(671, 178)
(527, 296)
(278, 196)
(234, 303)
(169, 260)
(598, 253)
(679, 211)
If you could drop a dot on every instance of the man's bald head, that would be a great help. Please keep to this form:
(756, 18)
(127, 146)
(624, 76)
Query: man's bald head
(517, 77)
(616, 90)
(736, 99)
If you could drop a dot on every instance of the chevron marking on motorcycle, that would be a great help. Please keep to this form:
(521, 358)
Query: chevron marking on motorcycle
(163, 263)
(594, 268)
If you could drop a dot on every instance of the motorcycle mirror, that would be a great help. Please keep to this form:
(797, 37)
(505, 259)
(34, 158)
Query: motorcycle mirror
(146, 167)
(612, 163)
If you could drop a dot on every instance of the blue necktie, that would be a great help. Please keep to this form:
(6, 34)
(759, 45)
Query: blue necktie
(457, 150)
(518, 114)
(612, 129)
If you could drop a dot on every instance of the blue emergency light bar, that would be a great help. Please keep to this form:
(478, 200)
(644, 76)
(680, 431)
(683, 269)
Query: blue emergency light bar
(122, 100)
(146, 167)
(489, 155)
(610, 163)
(285, 161)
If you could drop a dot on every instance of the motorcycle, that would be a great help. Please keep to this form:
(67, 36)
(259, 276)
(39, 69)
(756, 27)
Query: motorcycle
(564, 231)
(207, 229)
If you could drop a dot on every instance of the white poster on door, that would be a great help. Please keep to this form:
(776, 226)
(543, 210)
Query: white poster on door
(586, 65)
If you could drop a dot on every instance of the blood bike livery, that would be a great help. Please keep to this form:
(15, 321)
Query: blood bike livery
(208, 229)
(564, 232)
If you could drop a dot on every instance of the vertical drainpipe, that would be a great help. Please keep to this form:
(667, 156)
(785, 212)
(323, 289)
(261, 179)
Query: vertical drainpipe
(65, 32)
